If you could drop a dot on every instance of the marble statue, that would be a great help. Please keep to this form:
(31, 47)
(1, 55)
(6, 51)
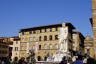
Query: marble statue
(63, 43)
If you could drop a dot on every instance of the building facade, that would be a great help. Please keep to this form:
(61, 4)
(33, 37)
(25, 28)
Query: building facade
(89, 48)
(4, 49)
(93, 22)
(78, 42)
(15, 47)
(43, 39)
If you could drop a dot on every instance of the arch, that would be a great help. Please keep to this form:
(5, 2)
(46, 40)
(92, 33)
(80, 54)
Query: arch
(39, 58)
(50, 37)
(56, 37)
(45, 58)
(39, 38)
(39, 47)
(45, 38)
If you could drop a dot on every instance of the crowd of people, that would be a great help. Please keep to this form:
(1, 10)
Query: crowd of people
(65, 60)
(78, 60)
(15, 61)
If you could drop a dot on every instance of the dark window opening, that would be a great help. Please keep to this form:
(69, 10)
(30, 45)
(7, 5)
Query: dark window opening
(56, 37)
(50, 29)
(45, 30)
(34, 32)
(45, 38)
(39, 47)
(56, 29)
(39, 58)
(30, 32)
(40, 38)
(50, 37)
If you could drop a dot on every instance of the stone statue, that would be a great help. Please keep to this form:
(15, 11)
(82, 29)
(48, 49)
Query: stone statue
(63, 43)
(63, 39)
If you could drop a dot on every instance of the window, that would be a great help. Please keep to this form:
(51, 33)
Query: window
(45, 30)
(56, 37)
(39, 47)
(16, 42)
(34, 32)
(16, 48)
(50, 37)
(56, 29)
(50, 29)
(45, 38)
(40, 38)
(30, 32)
(40, 31)
(22, 33)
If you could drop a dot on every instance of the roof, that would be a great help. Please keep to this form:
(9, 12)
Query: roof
(88, 38)
(40, 27)
(46, 26)
(77, 32)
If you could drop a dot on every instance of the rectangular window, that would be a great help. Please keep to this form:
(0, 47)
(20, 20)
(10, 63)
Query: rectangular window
(16, 48)
(16, 42)
(40, 31)
(56, 29)
(39, 47)
(34, 32)
(50, 29)
(22, 33)
(30, 32)
(56, 37)
(45, 30)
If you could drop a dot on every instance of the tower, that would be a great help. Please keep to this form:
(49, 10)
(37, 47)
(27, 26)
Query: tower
(94, 24)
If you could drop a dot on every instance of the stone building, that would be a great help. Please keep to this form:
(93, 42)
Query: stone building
(9, 47)
(4, 48)
(78, 42)
(8, 43)
(89, 49)
(44, 40)
(93, 22)
(15, 47)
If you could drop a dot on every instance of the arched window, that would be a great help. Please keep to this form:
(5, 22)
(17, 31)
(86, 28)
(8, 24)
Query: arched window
(30, 32)
(34, 32)
(39, 47)
(40, 38)
(45, 58)
(50, 29)
(45, 38)
(45, 29)
(56, 37)
(39, 58)
(50, 37)
(56, 29)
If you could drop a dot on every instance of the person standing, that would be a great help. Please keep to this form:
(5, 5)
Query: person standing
(64, 60)
(79, 60)
(22, 61)
(15, 61)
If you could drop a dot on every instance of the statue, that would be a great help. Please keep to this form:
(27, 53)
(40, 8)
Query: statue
(63, 43)
(31, 57)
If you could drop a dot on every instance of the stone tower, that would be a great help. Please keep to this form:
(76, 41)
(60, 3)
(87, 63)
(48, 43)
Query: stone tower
(94, 24)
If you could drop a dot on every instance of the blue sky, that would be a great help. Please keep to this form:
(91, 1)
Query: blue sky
(18, 14)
